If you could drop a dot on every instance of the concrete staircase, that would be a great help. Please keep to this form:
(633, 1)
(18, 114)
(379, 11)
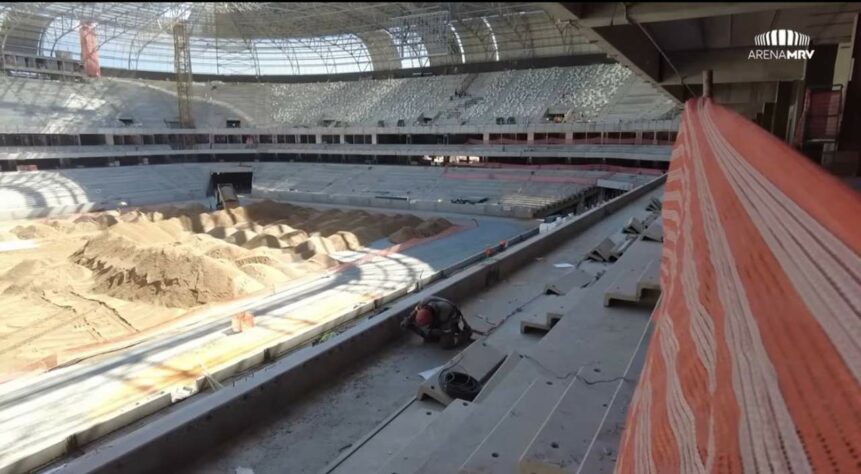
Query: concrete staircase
(549, 409)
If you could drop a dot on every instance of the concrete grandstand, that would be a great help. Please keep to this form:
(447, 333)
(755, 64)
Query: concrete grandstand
(583, 182)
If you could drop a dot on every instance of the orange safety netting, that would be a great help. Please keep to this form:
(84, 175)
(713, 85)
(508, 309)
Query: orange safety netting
(755, 359)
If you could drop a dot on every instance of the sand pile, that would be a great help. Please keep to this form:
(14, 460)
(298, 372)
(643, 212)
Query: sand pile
(178, 257)
(34, 276)
(241, 237)
(227, 252)
(404, 234)
(343, 240)
(222, 232)
(294, 238)
(265, 240)
(107, 220)
(266, 209)
(277, 229)
(74, 227)
(165, 275)
(433, 226)
(35, 230)
(264, 274)
(314, 245)
(143, 232)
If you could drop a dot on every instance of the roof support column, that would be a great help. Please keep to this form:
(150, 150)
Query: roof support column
(90, 50)
(707, 83)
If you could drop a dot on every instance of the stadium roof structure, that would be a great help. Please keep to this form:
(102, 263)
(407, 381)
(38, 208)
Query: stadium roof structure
(274, 38)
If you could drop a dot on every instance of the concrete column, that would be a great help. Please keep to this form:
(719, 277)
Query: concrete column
(341, 139)
(781, 109)
(797, 103)
(530, 138)
(90, 49)
(848, 158)
(707, 83)
(109, 139)
(486, 138)
(819, 70)
(374, 139)
(318, 138)
(569, 138)
(768, 116)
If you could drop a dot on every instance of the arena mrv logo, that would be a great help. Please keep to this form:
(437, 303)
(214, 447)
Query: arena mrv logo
(781, 44)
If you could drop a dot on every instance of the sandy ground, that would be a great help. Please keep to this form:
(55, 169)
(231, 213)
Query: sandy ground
(95, 277)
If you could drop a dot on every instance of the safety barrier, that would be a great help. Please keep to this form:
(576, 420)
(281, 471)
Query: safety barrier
(755, 359)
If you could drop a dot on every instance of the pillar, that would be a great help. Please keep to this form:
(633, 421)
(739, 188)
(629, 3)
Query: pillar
(569, 138)
(374, 139)
(530, 138)
(767, 115)
(485, 138)
(318, 138)
(848, 158)
(707, 83)
(781, 110)
(89, 50)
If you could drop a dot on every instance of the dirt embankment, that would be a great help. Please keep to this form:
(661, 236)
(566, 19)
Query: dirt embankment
(98, 276)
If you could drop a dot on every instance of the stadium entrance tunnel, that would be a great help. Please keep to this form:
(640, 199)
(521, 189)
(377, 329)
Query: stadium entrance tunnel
(241, 181)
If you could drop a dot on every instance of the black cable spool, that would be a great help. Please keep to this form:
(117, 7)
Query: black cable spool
(459, 385)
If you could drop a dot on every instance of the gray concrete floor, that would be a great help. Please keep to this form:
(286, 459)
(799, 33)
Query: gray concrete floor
(307, 436)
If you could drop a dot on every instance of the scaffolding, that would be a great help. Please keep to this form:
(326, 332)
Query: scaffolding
(182, 67)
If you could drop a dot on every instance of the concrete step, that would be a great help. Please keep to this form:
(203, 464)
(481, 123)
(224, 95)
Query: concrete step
(655, 205)
(582, 430)
(569, 281)
(417, 451)
(655, 231)
(502, 448)
(535, 322)
(650, 279)
(479, 360)
(387, 439)
(549, 312)
(511, 361)
(633, 226)
(449, 456)
(603, 251)
(634, 264)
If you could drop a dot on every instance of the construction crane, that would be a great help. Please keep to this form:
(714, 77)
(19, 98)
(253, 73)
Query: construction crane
(182, 67)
